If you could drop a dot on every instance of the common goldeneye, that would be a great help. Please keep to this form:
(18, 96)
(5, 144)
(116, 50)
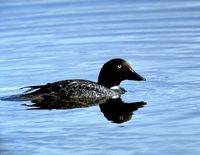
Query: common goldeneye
(110, 76)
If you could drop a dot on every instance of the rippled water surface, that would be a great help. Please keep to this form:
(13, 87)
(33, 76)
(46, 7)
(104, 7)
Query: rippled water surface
(46, 41)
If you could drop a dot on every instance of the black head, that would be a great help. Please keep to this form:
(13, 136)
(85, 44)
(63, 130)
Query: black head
(115, 71)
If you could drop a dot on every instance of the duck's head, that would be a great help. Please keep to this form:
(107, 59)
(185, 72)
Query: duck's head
(115, 71)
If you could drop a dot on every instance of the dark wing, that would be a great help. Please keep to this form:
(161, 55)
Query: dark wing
(69, 89)
(47, 88)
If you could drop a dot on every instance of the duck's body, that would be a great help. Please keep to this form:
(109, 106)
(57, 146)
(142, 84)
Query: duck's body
(76, 88)
(111, 74)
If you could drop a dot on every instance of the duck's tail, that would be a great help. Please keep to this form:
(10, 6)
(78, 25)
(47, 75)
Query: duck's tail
(32, 88)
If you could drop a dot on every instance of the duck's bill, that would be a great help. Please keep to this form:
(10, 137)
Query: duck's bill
(135, 76)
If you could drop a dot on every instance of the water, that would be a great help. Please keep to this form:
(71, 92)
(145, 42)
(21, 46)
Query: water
(46, 41)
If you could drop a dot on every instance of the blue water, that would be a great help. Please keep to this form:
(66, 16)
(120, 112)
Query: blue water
(46, 41)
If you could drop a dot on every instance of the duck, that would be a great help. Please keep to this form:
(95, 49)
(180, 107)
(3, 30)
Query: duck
(112, 73)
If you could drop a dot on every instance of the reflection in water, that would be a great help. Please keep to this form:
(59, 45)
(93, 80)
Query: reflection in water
(54, 102)
(50, 102)
(118, 111)
(114, 110)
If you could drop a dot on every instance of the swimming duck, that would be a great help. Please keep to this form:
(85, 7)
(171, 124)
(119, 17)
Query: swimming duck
(109, 79)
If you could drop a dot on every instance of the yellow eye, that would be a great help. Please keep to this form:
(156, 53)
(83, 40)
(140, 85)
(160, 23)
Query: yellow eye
(119, 66)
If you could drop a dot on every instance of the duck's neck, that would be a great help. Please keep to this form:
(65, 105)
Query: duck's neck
(108, 81)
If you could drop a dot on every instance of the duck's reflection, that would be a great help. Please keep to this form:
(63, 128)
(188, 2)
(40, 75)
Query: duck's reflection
(50, 102)
(117, 111)
(114, 110)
